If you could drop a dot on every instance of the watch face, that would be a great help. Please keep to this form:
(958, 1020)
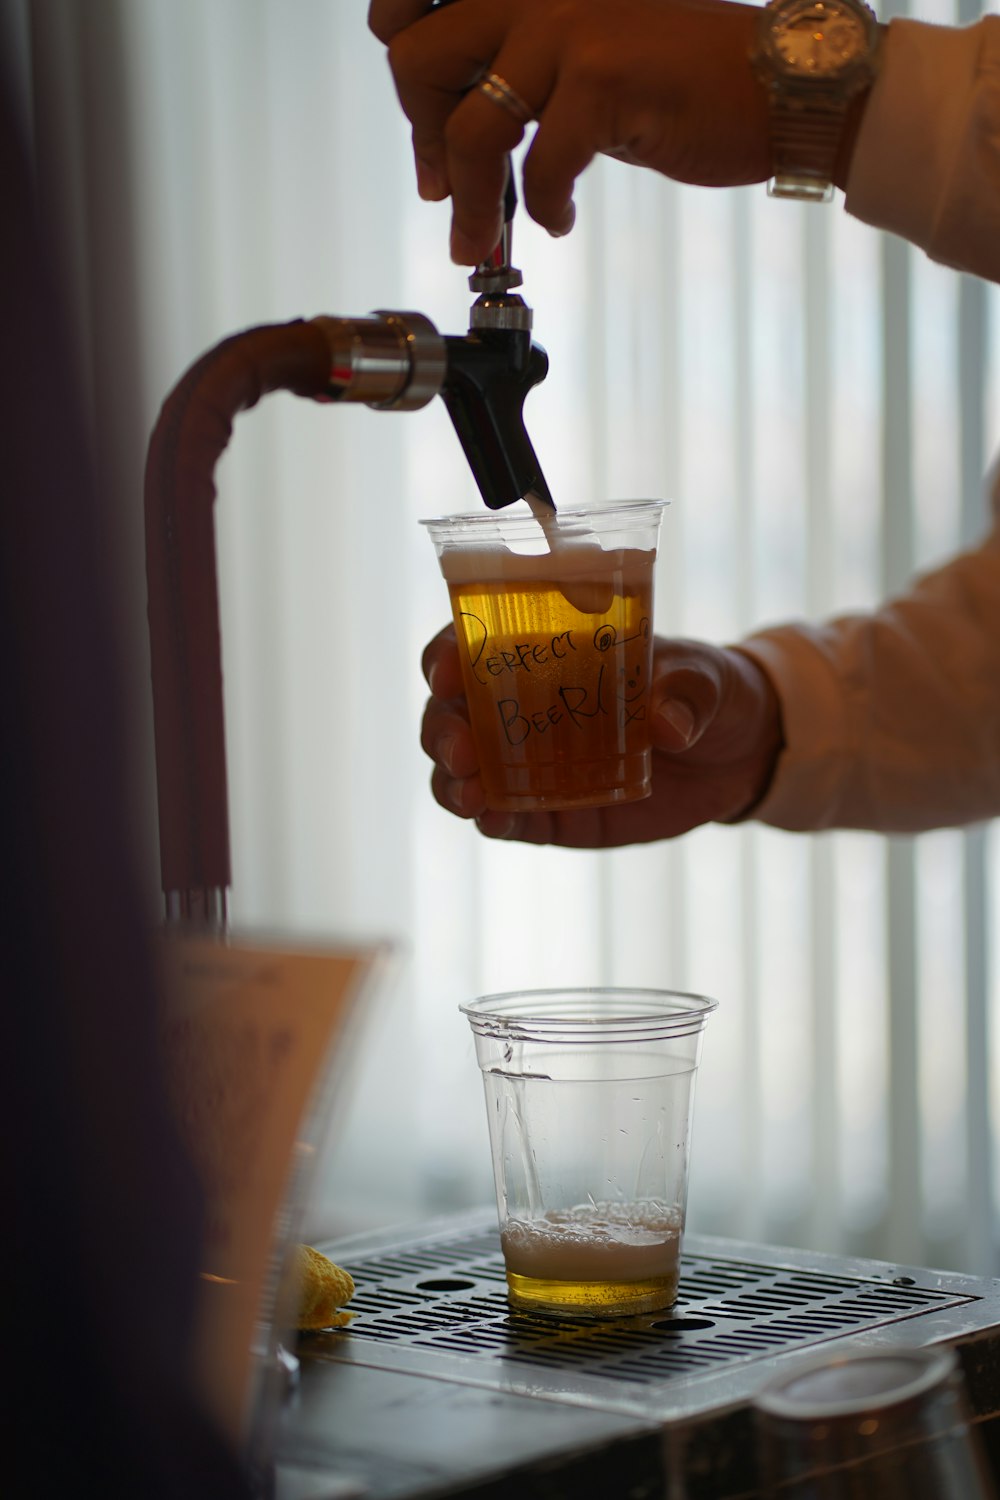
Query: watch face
(814, 38)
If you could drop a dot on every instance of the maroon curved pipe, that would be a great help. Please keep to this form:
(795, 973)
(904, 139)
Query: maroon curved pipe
(191, 434)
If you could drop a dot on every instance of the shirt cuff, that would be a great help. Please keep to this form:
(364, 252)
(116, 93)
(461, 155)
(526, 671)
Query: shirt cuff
(926, 162)
(803, 794)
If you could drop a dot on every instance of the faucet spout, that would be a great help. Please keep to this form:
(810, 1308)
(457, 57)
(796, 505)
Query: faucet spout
(488, 375)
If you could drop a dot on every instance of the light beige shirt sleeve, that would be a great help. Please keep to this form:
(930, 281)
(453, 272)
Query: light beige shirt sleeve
(892, 720)
(926, 162)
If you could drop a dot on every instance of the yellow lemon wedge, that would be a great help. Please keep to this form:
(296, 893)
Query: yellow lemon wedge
(323, 1289)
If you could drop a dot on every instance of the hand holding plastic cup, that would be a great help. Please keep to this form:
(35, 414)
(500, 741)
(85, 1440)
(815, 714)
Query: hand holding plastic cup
(589, 1097)
(555, 631)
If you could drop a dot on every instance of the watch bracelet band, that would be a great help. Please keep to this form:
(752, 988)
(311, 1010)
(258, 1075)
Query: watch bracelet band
(805, 136)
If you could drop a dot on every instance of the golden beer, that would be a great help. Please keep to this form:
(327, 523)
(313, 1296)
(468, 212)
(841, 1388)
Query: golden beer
(600, 1260)
(556, 653)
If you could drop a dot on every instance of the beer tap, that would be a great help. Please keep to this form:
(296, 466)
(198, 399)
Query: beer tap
(489, 374)
(401, 362)
(392, 361)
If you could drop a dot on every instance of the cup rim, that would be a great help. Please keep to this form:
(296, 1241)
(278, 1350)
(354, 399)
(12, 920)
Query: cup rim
(930, 1366)
(631, 1014)
(609, 509)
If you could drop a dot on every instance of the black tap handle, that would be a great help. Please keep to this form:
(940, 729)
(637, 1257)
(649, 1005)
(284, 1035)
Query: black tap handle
(490, 373)
(510, 193)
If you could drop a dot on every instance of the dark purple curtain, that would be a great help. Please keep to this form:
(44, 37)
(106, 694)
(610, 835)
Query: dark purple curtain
(101, 1210)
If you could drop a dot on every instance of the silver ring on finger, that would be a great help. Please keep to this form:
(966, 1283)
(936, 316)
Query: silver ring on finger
(499, 91)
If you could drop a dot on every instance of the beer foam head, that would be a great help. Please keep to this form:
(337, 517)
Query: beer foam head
(574, 562)
(563, 551)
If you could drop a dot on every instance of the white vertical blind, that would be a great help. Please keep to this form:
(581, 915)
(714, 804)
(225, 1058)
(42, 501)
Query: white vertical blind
(817, 401)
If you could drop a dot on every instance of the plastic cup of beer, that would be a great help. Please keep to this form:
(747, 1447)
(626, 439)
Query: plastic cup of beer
(553, 616)
(589, 1098)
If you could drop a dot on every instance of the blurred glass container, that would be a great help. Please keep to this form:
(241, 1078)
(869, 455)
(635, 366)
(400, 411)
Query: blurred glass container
(872, 1424)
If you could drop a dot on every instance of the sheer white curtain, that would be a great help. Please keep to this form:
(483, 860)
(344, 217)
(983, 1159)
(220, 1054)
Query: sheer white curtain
(818, 403)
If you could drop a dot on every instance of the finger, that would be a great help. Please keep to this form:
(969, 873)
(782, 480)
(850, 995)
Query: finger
(566, 141)
(462, 135)
(435, 62)
(477, 177)
(446, 737)
(526, 828)
(463, 796)
(500, 825)
(589, 828)
(673, 724)
(684, 710)
(441, 666)
(684, 701)
(433, 72)
(480, 134)
(386, 17)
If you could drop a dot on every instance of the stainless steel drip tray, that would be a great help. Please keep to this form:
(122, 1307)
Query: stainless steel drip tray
(432, 1303)
(435, 1303)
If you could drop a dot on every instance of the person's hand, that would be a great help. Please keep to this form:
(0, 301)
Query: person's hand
(716, 728)
(665, 84)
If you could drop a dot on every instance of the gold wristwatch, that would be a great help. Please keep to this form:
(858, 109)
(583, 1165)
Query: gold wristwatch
(813, 57)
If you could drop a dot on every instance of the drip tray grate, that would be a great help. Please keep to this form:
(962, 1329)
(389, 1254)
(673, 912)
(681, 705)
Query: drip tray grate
(438, 1389)
(427, 1305)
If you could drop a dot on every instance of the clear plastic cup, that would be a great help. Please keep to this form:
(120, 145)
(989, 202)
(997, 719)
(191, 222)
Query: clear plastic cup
(589, 1098)
(554, 619)
(870, 1424)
